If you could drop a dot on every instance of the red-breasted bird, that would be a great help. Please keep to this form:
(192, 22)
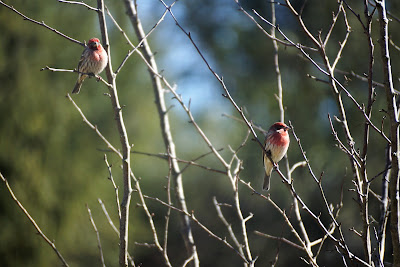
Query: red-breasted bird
(93, 60)
(276, 144)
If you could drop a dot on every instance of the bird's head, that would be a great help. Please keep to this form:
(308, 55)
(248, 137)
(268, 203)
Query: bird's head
(279, 127)
(94, 44)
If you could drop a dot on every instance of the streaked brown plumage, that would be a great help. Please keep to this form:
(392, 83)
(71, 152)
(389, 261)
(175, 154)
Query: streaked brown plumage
(93, 60)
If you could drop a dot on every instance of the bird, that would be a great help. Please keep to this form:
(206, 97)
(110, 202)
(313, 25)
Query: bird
(276, 145)
(93, 60)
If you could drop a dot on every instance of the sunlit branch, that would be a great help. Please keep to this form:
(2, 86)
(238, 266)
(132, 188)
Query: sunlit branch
(98, 77)
(125, 145)
(103, 207)
(79, 3)
(169, 143)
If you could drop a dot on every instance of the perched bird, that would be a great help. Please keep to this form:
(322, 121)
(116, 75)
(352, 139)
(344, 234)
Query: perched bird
(93, 60)
(276, 144)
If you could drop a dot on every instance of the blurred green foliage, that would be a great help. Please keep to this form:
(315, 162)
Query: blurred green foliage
(55, 163)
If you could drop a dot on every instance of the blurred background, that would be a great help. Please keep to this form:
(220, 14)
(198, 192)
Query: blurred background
(55, 163)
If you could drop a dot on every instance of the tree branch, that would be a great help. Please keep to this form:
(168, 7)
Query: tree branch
(126, 147)
(51, 244)
(165, 130)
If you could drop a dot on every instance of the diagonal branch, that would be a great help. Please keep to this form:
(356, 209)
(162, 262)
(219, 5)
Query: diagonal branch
(51, 244)
(41, 23)
(97, 235)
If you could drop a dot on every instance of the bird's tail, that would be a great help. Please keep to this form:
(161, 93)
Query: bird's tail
(77, 88)
(267, 181)
(78, 84)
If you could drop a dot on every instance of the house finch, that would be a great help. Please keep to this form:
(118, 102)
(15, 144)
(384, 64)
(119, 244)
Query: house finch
(93, 60)
(276, 144)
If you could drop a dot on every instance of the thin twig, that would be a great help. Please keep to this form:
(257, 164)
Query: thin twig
(227, 225)
(94, 127)
(33, 222)
(97, 235)
(135, 48)
(167, 216)
(359, 107)
(281, 239)
(202, 226)
(283, 42)
(79, 3)
(110, 177)
(98, 77)
(42, 24)
(188, 162)
(103, 207)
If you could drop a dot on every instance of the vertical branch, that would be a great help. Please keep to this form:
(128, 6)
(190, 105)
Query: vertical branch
(359, 176)
(282, 117)
(371, 91)
(384, 206)
(126, 148)
(363, 183)
(111, 178)
(246, 245)
(394, 131)
(103, 207)
(165, 131)
(368, 112)
(276, 62)
(167, 217)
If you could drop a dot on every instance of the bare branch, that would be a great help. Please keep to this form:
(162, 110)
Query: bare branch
(126, 146)
(79, 3)
(202, 226)
(45, 238)
(98, 77)
(97, 235)
(110, 177)
(283, 42)
(281, 239)
(227, 225)
(359, 107)
(165, 128)
(394, 131)
(103, 207)
(94, 127)
(42, 24)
